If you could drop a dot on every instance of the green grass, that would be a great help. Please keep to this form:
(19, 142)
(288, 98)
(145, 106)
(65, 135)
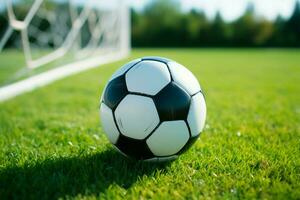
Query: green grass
(13, 65)
(52, 144)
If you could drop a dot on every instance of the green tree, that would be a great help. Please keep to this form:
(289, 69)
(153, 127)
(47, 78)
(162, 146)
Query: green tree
(244, 28)
(277, 38)
(264, 33)
(196, 25)
(161, 23)
(218, 32)
(292, 27)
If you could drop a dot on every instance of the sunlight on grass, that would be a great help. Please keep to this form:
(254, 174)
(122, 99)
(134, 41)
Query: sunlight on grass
(52, 144)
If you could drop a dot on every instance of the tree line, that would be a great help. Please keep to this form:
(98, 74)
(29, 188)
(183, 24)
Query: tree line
(162, 24)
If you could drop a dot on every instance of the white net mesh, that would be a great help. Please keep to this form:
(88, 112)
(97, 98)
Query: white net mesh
(53, 34)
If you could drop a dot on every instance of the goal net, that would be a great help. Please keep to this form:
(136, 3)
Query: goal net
(45, 40)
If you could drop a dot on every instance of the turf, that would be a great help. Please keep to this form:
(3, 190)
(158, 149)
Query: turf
(13, 65)
(52, 144)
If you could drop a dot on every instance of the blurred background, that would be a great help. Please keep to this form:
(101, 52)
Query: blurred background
(217, 23)
(201, 23)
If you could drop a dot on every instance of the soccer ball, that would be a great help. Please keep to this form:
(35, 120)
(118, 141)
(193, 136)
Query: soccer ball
(152, 109)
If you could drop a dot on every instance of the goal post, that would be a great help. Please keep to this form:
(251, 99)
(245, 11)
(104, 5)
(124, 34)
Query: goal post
(60, 38)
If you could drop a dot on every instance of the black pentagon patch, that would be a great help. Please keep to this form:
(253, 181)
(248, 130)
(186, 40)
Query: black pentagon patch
(134, 148)
(189, 143)
(172, 103)
(115, 91)
(156, 58)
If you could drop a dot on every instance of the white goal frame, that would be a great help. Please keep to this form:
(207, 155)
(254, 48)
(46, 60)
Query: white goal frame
(80, 64)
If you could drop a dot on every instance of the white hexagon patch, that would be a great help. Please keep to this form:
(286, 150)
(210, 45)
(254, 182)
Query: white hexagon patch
(148, 77)
(136, 116)
(108, 123)
(184, 78)
(168, 138)
(197, 114)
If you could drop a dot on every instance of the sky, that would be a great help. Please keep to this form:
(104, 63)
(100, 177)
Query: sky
(231, 9)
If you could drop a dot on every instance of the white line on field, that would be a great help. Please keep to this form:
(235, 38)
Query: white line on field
(45, 78)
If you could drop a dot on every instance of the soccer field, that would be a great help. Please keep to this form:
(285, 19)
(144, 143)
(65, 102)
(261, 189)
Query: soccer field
(52, 144)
